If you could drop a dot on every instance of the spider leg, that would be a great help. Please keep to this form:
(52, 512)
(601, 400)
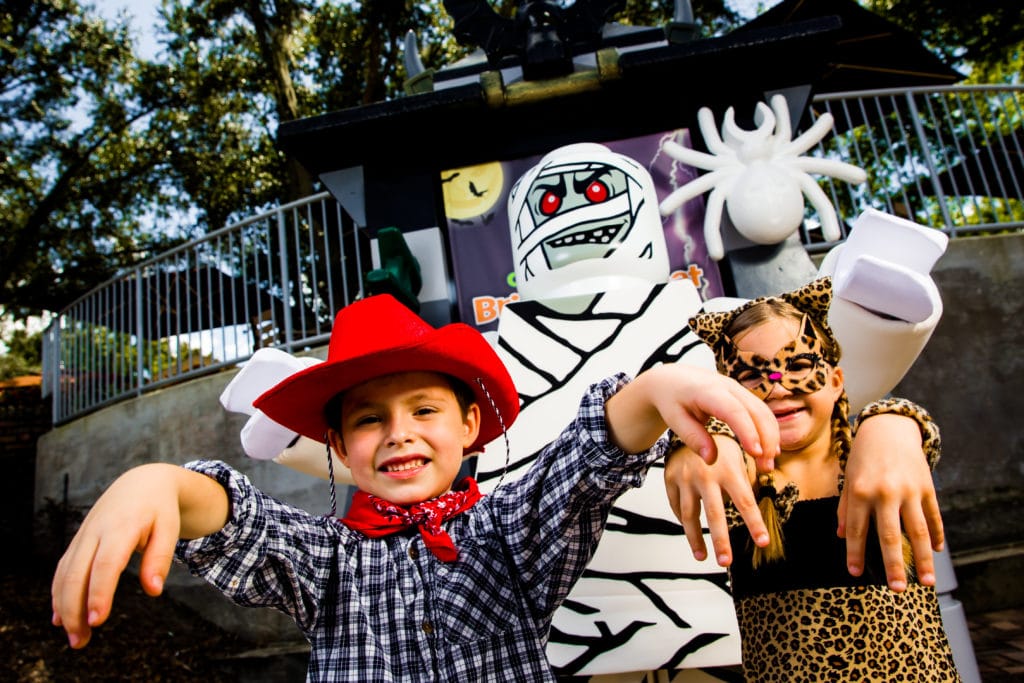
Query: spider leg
(783, 129)
(810, 137)
(712, 139)
(736, 137)
(713, 224)
(695, 158)
(820, 202)
(831, 167)
(695, 187)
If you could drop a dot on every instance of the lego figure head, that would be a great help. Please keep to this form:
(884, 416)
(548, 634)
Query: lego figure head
(584, 220)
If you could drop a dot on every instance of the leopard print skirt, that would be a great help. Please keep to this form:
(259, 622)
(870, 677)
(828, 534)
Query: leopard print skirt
(852, 633)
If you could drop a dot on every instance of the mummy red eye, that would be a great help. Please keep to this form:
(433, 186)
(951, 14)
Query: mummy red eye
(597, 192)
(550, 203)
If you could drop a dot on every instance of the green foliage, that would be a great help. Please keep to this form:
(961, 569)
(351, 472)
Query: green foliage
(115, 362)
(24, 351)
(984, 35)
(713, 17)
(12, 366)
(27, 346)
(77, 176)
(221, 109)
(906, 170)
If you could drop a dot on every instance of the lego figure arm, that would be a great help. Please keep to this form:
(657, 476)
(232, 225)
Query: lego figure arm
(885, 304)
(264, 439)
(884, 308)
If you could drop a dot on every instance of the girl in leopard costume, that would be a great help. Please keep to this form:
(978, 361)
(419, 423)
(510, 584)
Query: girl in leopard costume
(802, 616)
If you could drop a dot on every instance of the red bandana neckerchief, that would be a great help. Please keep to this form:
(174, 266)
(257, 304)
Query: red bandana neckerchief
(376, 517)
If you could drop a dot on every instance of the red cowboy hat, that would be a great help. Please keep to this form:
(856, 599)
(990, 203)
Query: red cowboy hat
(379, 336)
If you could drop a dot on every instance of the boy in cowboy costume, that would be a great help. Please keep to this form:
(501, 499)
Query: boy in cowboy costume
(424, 578)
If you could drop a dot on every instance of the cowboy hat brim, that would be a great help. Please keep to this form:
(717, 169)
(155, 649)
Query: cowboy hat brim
(298, 401)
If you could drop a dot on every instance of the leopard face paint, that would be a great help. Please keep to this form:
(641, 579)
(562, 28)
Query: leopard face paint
(798, 366)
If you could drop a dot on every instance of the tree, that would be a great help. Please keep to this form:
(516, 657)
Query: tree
(78, 178)
(986, 34)
(24, 354)
(230, 76)
(109, 158)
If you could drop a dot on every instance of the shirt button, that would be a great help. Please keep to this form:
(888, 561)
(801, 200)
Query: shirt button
(414, 553)
(428, 628)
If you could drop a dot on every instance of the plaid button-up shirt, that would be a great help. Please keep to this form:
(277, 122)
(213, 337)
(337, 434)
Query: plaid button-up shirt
(386, 609)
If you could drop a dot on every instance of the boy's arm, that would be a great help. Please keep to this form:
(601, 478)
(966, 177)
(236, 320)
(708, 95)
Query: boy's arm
(682, 397)
(147, 509)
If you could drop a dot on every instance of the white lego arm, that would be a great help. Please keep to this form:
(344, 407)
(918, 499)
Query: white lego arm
(262, 438)
(885, 304)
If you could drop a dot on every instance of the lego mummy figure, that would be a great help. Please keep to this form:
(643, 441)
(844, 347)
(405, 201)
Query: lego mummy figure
(596, 297)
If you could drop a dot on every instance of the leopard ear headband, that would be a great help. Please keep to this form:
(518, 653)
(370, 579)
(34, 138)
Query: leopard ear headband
(813, 299)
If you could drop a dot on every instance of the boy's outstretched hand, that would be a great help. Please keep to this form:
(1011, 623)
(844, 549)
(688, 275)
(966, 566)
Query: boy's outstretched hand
(691, 482)
(147, 510)
(682, 397)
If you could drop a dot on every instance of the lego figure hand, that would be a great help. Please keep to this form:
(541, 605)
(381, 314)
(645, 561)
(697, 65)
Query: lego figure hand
(690, 483)
(262, 438)
(885, 304)
(896, 486)
(146, 510)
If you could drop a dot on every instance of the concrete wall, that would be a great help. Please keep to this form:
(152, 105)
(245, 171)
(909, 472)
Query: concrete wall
(969, 376)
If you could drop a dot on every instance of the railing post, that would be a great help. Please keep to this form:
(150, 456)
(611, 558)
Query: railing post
(138, 332)
(926, 154)
(285, 289)
(56, 361)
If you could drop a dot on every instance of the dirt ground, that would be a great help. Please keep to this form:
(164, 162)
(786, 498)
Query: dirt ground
(146, 639)
(159, 641)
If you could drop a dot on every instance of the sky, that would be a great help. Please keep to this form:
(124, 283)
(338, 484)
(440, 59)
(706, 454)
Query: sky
(143, 15)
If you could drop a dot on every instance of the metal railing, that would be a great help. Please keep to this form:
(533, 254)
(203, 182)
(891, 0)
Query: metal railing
(949, 158)
(275, 279)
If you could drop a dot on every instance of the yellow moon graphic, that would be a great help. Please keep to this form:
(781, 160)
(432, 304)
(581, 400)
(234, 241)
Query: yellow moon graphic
(471, 191)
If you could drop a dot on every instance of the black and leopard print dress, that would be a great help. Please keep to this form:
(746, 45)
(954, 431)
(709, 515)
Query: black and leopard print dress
(804, 618)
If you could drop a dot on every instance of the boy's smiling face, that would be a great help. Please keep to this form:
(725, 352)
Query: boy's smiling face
(403, 436)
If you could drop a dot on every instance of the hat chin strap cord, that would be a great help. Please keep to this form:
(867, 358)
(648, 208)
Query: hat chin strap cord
(504, 431)
(330, 477)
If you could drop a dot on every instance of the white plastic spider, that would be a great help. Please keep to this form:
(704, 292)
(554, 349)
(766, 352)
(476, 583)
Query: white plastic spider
(758, 175)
